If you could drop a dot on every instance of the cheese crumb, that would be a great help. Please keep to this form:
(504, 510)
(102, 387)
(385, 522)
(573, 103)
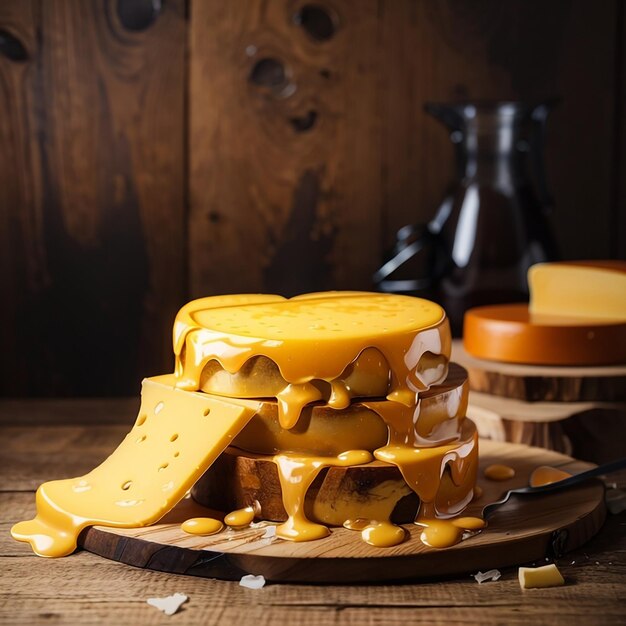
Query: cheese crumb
(252, 582)
(536, 577)
(170, 604)
(492, 574)
(270, 532)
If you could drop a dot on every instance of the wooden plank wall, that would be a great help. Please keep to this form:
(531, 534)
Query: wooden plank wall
(258, 145)
(92, 212)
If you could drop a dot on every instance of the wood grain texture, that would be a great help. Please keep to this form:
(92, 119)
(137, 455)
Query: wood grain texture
(543, 387)
(301, 171)
(536, 383)
(85, 589)
(288, 209)
(275, 206)
(238, 479)
(92, 231)
(526, 530)
(594, 434)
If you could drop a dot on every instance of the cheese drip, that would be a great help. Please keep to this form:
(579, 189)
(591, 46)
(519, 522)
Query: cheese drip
(424, 469)
(176, 437)
(313, 338)
(324, 431)
(443, 476)
(297, 473)
(179, 432)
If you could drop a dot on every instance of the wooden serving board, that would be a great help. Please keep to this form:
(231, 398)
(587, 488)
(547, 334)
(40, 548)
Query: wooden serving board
(522, 531)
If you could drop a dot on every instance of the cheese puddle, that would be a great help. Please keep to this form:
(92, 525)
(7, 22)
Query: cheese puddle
(545, 475)
(240, 518)
(296, 474)
(443, 533)
(202, 526)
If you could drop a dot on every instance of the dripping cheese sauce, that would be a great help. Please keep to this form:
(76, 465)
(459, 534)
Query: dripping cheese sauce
(310, 339)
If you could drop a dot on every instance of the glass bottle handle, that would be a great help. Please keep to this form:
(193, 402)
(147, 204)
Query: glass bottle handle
(539, 118)
(403, 252)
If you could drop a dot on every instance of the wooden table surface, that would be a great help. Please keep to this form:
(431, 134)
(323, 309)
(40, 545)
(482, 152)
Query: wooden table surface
(42, 440)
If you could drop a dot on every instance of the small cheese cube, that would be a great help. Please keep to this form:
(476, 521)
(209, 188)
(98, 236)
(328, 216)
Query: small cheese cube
(535, 577)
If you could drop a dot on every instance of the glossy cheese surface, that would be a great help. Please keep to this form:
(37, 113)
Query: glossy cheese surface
(585, 289)
(328, 347)
(323, 430)
(176, 437)
(511, 334)
(313, 338)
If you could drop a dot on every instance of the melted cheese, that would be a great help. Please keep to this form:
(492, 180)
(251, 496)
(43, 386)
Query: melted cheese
(296, 475)
(202, 526)
(326, 432)
(546, 475)
(176, 437)
(383, 534)
(240, 518)
(499, 472)
(314, 340)
(423, 468)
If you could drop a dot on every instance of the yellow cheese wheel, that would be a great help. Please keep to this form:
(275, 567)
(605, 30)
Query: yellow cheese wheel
(510, 333)
(322, 430)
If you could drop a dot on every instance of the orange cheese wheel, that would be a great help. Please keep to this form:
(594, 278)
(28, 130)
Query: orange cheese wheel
(511, 334)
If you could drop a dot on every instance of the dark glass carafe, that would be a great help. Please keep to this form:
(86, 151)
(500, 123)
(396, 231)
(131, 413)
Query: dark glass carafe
(493, 224)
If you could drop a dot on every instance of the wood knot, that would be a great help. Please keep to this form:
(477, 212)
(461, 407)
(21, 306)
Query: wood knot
(317, 21)
(268, 72)
(138, 15)
(304, 123)
(12, 48)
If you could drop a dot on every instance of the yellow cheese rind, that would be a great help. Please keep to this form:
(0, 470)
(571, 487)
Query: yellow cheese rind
(595, 291)
(175, 439)
(538, 577)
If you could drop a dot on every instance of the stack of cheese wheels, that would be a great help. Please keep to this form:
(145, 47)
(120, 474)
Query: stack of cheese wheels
(325, 409)
(562, 355)
(361, 419)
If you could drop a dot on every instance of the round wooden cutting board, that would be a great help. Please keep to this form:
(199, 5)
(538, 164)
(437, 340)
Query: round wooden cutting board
(524, 530)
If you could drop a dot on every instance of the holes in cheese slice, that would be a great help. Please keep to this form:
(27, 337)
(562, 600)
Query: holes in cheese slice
(62, 512)
(321, 347)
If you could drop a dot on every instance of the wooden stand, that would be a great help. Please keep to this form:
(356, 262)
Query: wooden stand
(593, 385)
(522, 531)
(575, 410)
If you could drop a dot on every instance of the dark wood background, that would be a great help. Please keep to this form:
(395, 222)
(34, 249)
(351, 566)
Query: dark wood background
(212, 147)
